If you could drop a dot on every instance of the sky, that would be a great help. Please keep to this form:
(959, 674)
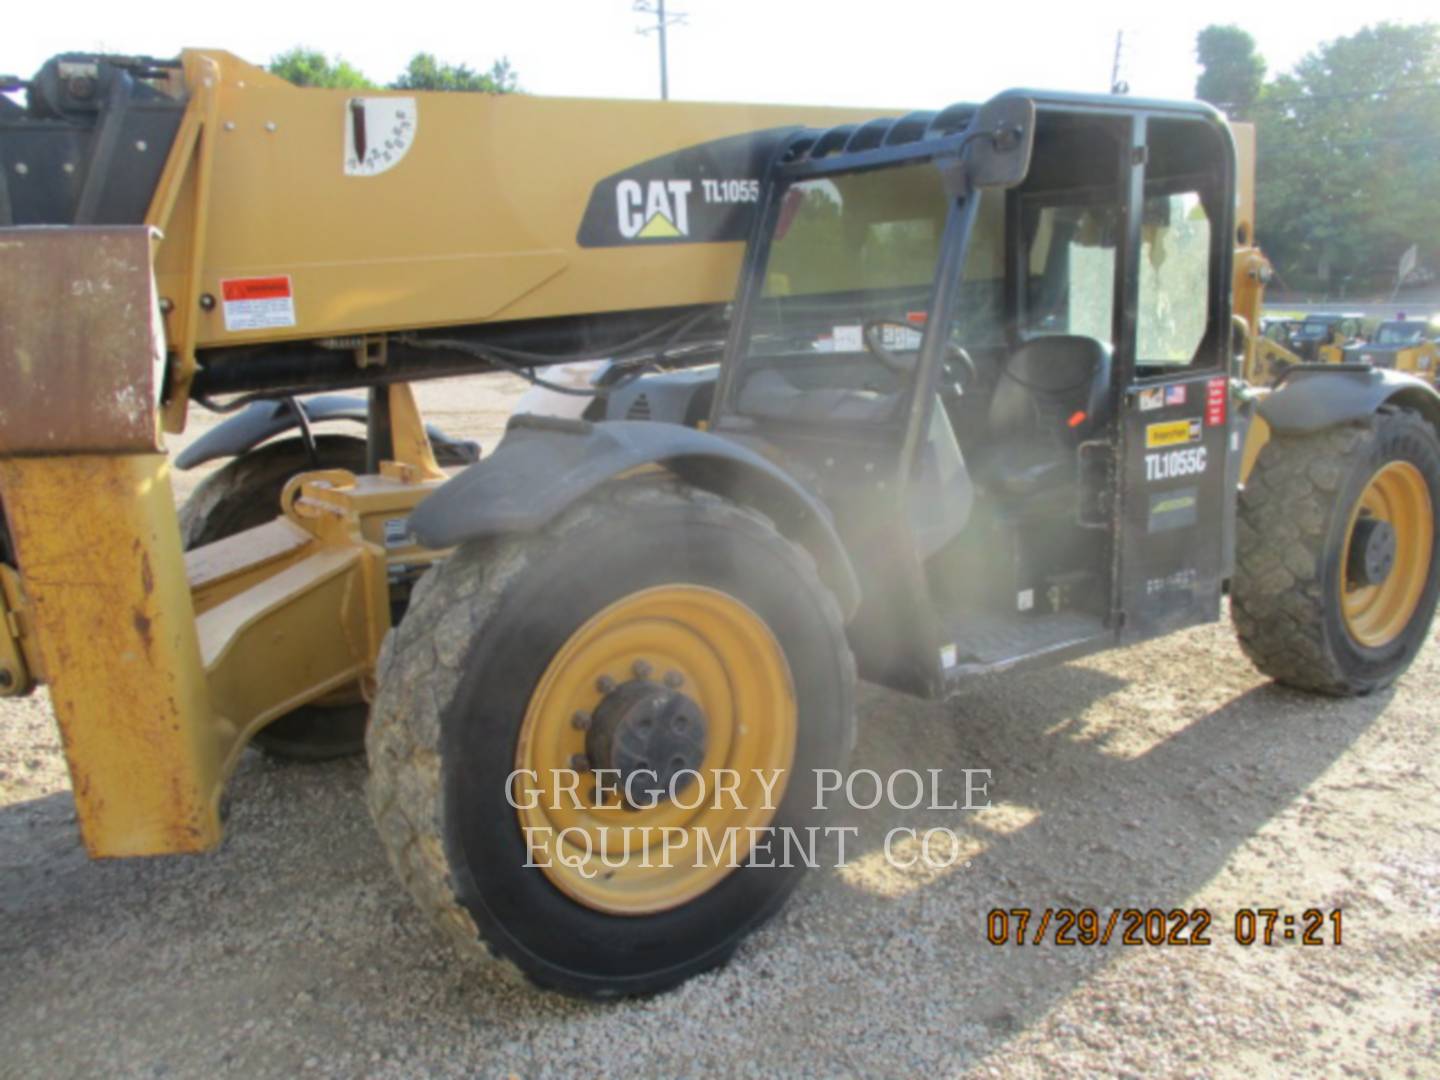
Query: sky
(885, 53)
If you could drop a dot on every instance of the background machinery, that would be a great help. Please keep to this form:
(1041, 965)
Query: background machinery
(1324, 337)
(942, 394)
(1408, 345)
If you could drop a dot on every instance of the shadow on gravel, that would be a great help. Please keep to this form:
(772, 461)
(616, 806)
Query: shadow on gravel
(294, 942)
(1077, 826)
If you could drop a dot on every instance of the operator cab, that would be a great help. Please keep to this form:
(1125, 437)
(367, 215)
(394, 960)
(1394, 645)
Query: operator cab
(1320, 330)
(1010, 394)
(1400, 334)
(1399, 344)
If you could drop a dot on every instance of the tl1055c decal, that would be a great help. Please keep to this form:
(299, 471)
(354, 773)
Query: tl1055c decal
(704, 194)
(1189, 461)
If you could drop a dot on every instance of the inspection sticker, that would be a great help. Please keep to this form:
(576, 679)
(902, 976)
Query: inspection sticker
(1177, 509)
(258, 303)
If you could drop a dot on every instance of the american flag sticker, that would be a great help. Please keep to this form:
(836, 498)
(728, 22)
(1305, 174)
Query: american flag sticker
(1175, 395)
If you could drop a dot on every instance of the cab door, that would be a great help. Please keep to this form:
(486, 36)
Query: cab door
(1176, 502)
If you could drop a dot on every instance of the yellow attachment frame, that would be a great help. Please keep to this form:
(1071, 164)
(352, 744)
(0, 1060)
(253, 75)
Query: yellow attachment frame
(162, 665)
(19, 665)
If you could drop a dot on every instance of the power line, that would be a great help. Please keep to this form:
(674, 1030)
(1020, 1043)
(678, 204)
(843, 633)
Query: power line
(1388, 140)
(662, 21)
(1353, 95)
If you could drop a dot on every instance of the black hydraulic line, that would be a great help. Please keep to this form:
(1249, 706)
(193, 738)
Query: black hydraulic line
(310, 368)
(307, 432)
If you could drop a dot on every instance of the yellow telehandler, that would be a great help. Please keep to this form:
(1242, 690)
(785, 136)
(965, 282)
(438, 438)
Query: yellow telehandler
(1401, 344)
(938, 395)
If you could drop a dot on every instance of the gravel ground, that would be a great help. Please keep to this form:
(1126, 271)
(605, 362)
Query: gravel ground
(1167, 775)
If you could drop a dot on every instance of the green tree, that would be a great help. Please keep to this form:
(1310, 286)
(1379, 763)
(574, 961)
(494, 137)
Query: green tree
(1349, 158)
(311, 67)
(1233, 72)
(425, 72)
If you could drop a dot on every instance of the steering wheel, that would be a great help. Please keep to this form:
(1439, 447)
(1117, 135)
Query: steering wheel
(871, 335)
(955, 356)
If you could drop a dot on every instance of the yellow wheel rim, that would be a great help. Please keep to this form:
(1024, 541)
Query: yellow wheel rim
(630, 859)
(1376, 614)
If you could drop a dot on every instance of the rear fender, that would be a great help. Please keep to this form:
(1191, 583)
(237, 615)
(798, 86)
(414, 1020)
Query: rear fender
(1311, 398)
(544, 465)
(263, 420)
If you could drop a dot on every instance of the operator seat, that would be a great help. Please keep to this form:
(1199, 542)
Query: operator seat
(1052, 394)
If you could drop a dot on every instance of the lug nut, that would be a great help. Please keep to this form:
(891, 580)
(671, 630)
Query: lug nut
(581, 720)
(605, 684)
(674, 680)
(580, 763)
(642, 669)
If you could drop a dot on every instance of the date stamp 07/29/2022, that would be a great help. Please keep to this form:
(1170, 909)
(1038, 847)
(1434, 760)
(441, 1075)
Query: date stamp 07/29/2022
(1087, 926)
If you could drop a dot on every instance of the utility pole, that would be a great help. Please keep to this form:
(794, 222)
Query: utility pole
(662, 21)
(1117, 84)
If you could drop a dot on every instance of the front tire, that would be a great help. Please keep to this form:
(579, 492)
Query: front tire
(645, 588)
(1337, 567)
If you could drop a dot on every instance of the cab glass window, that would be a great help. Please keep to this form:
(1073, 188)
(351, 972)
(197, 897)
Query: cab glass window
(1173, 310)
(1069, 257)
(846, 250)
(1400, 334)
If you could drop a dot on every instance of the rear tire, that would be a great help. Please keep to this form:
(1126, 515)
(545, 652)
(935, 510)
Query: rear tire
(490, 635)
(245, 493)
(1305, 611)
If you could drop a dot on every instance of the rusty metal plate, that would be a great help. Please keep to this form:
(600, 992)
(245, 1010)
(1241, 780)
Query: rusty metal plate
(81, 343)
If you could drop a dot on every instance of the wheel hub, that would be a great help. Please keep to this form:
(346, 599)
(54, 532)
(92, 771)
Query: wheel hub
(610, 698)
(643, 727)
(1372, 552)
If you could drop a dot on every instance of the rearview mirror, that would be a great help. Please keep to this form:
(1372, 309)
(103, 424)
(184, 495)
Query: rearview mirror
(998, 146)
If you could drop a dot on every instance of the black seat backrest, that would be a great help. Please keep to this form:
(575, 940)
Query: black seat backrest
(1046, 383)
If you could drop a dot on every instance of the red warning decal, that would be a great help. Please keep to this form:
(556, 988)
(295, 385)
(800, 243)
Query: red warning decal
(256, 288)
(260, 303)
(1217, 393)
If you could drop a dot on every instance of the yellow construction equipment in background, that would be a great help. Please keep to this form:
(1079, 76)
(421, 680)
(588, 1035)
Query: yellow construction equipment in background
(1408, 345)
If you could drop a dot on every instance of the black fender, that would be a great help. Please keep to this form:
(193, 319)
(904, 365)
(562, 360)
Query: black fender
(544, 465)
(1309, 398)
(261, 420)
